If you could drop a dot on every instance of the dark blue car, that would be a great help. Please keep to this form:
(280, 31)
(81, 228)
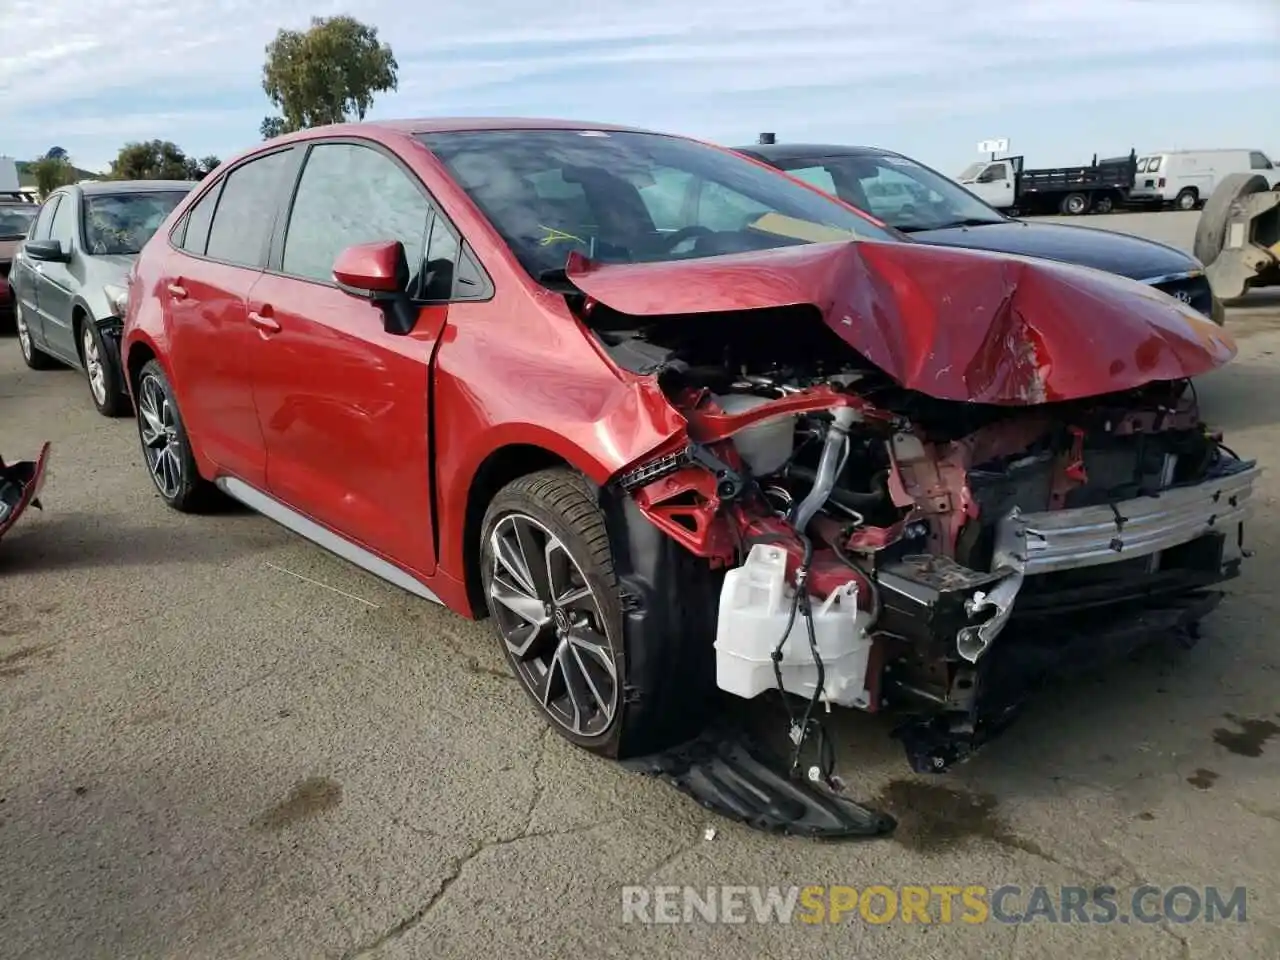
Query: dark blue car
(931, 208)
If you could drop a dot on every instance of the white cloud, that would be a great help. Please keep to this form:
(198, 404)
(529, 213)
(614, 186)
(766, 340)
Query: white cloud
(700, 67)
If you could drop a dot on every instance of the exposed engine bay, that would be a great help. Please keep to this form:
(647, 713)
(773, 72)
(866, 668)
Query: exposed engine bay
(883, 549)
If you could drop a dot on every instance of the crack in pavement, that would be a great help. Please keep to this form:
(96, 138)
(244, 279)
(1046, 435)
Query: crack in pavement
(456, 869)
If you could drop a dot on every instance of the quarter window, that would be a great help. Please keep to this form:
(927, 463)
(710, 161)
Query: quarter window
(350, 194)
(64, 222)
(44, 222)
(199, 220)
(242, 222)
(442, 255)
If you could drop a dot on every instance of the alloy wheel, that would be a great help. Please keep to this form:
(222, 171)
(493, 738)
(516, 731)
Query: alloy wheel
(93, 366)
(24, 334)
(158, 427)
(552, 626)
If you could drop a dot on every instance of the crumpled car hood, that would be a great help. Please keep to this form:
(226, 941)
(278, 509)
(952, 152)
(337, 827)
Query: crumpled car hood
(953, 324)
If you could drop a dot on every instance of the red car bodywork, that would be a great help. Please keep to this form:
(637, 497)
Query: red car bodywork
(20, 486)
(296, 389)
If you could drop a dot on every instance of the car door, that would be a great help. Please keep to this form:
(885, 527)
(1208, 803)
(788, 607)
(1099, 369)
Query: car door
(343, 404)
(25, 272)
(221, 245)
(56, 283)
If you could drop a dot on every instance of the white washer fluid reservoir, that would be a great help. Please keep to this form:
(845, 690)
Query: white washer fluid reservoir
(754, 603)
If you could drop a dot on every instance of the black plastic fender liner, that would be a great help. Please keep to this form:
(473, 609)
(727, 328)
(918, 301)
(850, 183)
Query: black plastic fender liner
(670, 600)
(729, 774)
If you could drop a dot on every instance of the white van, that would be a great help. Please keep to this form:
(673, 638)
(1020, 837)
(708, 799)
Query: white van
(1185, 178)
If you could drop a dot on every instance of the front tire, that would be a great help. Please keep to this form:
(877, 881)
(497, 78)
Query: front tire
(1075, 204)
(166, 448)
(549, 584)
(1188, 199)
(102, 372)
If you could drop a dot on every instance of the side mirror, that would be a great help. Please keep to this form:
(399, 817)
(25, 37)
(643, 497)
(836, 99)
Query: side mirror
(47, 251)
(379, 273)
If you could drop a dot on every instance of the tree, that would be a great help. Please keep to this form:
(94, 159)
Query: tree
(56, 153)
(271, 127)
(327, 74)
(52, 173)
(158, 160)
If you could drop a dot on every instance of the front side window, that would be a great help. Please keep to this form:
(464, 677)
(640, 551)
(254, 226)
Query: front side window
(1259, 161)
(351, 194)
(122, 223)
(246, 207)
(643, 197)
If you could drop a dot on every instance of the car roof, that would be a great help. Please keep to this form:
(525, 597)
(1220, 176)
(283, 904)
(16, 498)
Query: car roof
(97, 188)
(425, 125)
(800, 151)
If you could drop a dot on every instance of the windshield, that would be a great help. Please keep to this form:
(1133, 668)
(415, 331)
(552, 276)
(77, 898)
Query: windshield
(122, 223)
(971, 171)
(896, 190)
(625, 197)
(15, 219)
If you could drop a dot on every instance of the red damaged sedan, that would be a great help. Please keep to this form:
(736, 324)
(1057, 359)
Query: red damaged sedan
(678, 424)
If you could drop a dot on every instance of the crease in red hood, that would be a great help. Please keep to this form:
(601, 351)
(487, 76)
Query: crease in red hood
(954, 324)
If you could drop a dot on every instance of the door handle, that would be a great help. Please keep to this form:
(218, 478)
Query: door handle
(265, 324)
(177, 291)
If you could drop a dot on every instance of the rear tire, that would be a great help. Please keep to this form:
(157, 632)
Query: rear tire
(166, 447)
(546, 552)
(1103, 205)
(32, 356)
(1211, 229)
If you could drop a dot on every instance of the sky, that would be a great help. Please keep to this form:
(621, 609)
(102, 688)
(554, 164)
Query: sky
(1061, 79)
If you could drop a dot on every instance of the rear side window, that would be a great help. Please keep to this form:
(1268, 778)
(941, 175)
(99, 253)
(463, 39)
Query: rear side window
(44, 222)
(242, 222)
(351, 194)
(199, 220)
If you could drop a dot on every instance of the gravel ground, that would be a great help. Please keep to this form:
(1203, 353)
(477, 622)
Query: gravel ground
(219, 741)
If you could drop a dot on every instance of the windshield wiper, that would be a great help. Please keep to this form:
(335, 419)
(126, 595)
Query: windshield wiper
(966, 222)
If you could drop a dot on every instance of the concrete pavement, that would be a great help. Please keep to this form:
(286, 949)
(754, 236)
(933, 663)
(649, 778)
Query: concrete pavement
(219, 741)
